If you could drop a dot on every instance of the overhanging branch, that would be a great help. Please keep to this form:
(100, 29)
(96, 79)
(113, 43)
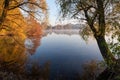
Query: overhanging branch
(23, 3)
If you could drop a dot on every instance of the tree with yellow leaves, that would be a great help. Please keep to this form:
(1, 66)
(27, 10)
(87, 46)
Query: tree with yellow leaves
(12, 12)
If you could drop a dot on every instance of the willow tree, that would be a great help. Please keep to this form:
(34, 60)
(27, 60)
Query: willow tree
(95, 12)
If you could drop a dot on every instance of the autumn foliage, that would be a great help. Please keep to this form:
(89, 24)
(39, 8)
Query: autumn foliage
(19, 17)
(18, 22)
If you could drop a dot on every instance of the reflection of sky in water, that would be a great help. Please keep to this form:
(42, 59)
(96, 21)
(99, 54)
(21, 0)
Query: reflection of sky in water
(66, 53)
(28, 43)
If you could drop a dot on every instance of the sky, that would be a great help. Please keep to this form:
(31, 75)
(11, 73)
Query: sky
(54, 15)
(53, 11)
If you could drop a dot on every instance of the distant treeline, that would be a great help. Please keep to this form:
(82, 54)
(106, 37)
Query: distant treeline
(66, 26)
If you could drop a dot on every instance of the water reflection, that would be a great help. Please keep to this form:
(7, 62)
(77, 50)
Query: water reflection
(12, 54)
(13, 60)
(66, 51)
(32, 43)
(53, 55)
(67, 32)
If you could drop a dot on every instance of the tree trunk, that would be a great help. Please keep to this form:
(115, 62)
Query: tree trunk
(100, 36)
(105, 51)
(101, 17)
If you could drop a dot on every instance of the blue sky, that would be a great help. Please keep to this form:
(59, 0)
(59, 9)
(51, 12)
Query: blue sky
(54, 14)
(53, 11)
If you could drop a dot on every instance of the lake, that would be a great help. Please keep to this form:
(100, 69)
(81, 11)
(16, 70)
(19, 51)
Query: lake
(61, 52)
(66, 52)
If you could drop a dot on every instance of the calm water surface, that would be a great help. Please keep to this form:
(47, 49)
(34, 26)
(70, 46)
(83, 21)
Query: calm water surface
(66, 52)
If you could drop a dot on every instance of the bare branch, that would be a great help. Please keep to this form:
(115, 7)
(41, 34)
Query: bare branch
(90, 23)
(23, 3)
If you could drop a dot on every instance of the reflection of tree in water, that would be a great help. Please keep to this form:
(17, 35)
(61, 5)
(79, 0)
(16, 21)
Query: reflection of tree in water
(38, 72)
(13, 58)
(12, 54)
(92, 70)
(34, 34)
(32, 43)
(13, 61)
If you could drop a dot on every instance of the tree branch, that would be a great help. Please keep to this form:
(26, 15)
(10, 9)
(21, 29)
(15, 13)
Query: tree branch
(23, 3)
(29, 13)
(90, 23)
